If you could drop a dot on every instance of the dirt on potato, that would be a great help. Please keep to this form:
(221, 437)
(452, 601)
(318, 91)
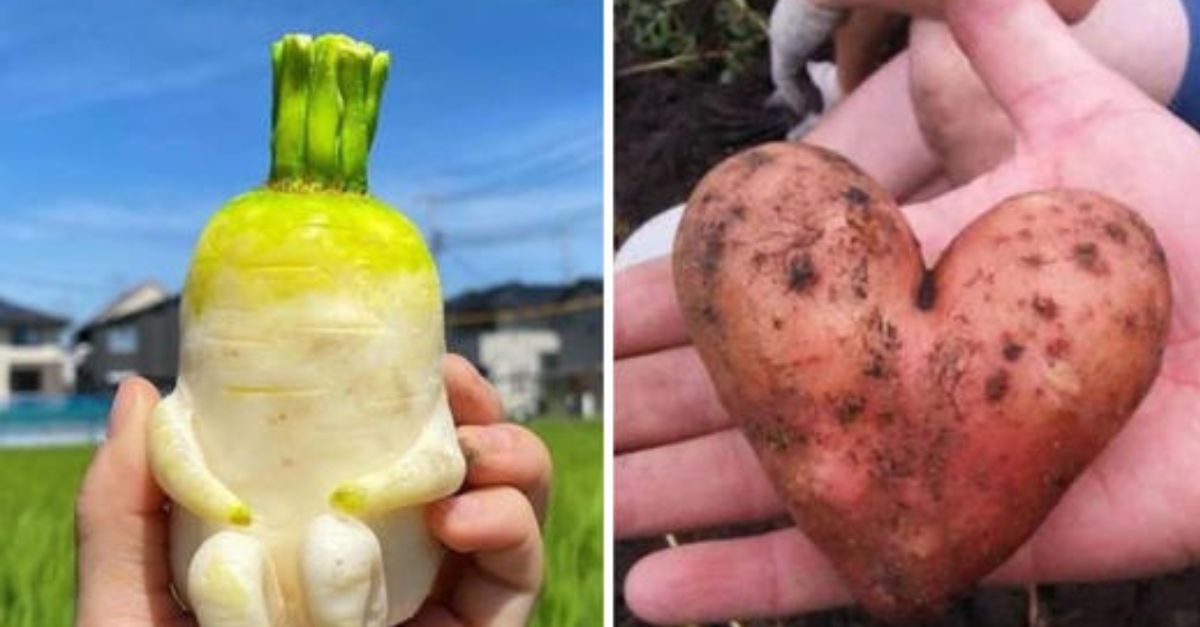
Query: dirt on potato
(878, 394)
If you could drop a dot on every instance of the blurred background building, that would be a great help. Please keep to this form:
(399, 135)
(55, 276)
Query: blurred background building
(137, 333)
(541, 345)
(32, 360)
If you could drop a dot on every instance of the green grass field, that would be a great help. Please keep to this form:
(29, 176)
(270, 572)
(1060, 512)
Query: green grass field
(37, 492)
(574, 590)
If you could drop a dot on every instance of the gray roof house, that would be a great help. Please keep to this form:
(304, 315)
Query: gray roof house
(541, 345)
(32, 361)
(125, 340)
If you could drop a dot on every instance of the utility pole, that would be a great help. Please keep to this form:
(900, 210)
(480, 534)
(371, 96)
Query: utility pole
(437, 241)
(564, 242)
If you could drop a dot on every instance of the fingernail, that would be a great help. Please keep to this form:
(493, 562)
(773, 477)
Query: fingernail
(468, 441)
(479, 440)
(127, 400)
(454, 506)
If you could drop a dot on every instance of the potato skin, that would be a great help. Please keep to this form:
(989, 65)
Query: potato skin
(918, 424)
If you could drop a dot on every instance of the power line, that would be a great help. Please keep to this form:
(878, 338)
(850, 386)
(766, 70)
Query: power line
(556, 226)
(536, 175)
(532, 168)
(45, 282)
(579, 134)
(470, 269)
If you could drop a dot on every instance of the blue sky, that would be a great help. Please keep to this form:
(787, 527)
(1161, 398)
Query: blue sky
(124, 124)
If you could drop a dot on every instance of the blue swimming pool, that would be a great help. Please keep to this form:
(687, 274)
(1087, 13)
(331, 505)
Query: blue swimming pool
(50, 420)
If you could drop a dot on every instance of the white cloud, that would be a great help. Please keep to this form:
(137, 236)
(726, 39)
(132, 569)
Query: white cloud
(67, 89)
(75, 218)
(94, 217)
(547, 169)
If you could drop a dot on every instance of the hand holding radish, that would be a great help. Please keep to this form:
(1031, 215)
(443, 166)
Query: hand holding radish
(491, 579)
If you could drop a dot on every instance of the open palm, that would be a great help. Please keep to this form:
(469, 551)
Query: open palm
(1133, 512)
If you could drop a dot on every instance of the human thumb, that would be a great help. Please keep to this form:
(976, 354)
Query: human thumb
(1031, 63)
(120, 523)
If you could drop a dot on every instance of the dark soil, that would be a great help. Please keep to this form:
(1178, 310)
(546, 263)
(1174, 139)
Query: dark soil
(670, 128)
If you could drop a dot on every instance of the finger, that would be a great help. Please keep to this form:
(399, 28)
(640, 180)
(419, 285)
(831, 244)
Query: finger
(876, 128)
(119, 471)
(434, 615)
(772, 574)
(1126, 516)
(497, 525)
(647, 317)
(1032, 65)
(708, 481)
(507, 454)
(449, 573)
(936, 222)
(926, 8)
(118, 482)
(664, 397)
(120, 524)
(1133, 511)
(473, 400)
(932, 187)
(1085, 552)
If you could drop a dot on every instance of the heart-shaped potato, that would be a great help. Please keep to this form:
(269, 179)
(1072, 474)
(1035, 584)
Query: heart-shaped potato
(918, 424)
